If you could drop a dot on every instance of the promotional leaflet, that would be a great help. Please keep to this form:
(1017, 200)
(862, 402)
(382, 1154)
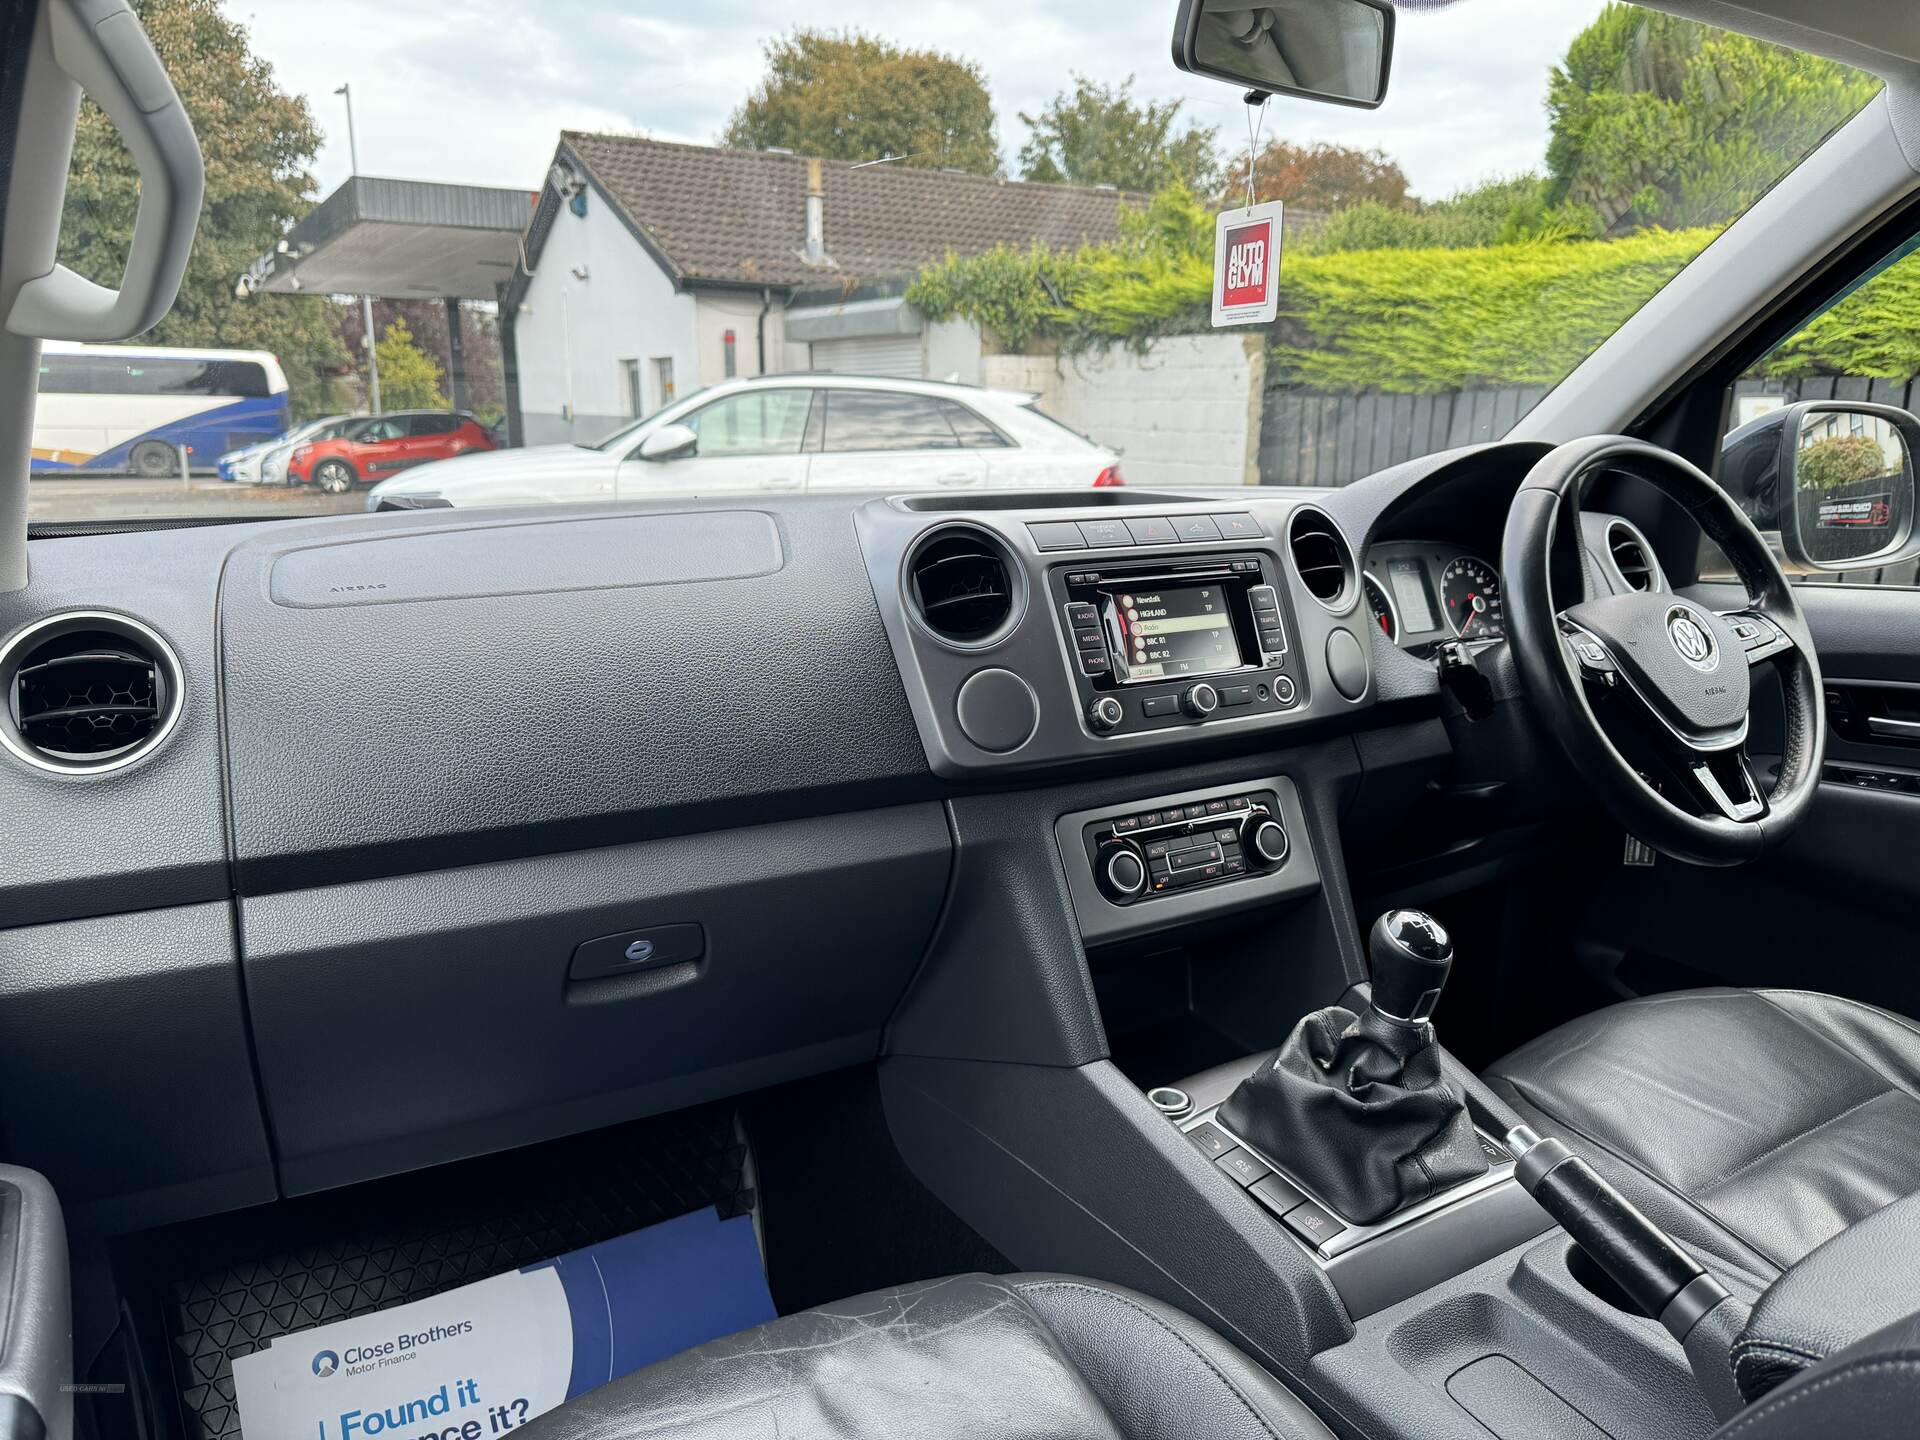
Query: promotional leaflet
(486, 1358)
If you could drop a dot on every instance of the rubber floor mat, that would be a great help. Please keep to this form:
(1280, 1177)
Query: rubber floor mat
(231, 1284)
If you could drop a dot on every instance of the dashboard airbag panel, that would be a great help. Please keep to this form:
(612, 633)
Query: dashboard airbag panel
(529, 558)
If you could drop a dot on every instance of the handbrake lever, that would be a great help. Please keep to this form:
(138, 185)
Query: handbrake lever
(1641, 1258)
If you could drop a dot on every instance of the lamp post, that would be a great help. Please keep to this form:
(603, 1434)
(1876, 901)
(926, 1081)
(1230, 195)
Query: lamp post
(366, 301)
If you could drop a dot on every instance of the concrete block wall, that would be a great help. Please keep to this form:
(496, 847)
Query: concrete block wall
(1186, 412)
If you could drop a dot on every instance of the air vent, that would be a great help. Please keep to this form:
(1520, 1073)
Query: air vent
(87, 692)
(1632, 558)
(1321, 558)
(962, 585)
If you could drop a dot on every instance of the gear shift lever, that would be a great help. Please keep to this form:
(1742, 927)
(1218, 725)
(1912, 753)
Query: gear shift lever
(1412, 956)
(1354, 1106)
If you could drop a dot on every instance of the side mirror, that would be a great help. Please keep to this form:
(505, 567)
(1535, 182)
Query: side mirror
(1834, 477)
(670, 442)
(1338, 51)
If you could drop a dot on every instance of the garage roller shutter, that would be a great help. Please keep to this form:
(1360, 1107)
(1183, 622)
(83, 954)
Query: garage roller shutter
(893, 355)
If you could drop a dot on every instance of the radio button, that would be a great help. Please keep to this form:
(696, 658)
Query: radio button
(1082, 616)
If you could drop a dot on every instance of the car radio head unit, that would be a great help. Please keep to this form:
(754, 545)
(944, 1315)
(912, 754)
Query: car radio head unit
(1173, 641)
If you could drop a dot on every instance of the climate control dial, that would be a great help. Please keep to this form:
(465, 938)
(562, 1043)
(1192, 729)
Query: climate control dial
(1122, 871)
(1264, 840)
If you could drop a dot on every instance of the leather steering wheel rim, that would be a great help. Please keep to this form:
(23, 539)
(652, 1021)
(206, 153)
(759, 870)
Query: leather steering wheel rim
(1543, 641)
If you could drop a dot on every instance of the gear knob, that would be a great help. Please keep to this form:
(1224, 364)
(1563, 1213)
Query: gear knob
(1412, 955)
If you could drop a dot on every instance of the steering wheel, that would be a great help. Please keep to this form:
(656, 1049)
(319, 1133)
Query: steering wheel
(1674, 677)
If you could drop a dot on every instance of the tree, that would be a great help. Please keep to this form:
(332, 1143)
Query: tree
(1494, 212)
(258, 141)
(1318, 177)
(1098, 135)
(1662, 121)
(847, 96)
(409, 378)
(1837, 461)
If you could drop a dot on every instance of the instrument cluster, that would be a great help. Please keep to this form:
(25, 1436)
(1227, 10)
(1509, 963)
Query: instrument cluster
(1421, 593)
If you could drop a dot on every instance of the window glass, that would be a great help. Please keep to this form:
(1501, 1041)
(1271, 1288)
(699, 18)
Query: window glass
(885, 420)
(755, 422)
(972, 428)
(435, 424)
(1861, 346)
(385, 428)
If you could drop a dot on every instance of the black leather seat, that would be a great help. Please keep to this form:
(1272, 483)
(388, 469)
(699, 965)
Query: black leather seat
(1751, 1124)
(975, 1357)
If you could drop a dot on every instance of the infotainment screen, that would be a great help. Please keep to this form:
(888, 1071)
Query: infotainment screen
(1161, 632)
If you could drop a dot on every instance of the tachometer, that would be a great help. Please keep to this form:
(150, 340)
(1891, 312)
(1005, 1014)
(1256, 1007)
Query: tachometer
(1470, 590)
(1381, 604)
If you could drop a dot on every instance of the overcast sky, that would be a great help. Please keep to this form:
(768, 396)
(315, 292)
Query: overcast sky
(477, 91)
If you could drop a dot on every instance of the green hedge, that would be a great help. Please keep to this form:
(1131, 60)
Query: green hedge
(1415, 321)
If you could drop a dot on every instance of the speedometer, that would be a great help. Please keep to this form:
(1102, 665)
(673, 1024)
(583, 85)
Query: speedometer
(1470, 590)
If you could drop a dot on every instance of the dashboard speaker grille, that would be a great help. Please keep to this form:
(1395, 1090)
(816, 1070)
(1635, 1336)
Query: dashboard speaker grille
(962, 586)
(1320, 557)
(86, 693)
(1630, 558)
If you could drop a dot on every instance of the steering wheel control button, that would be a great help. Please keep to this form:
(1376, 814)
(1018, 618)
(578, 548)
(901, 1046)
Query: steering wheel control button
(1212, 1140)
(1312, 1223)
(633, 950)
(997, 710)
(1347, 664)
(1106, 713)
(1244, 1166)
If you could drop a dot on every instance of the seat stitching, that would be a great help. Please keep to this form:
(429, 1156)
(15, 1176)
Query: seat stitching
(1707, 1216)
(1738, 1357)
(1795, 1139)
(1781, 1402)
(1190, 1347)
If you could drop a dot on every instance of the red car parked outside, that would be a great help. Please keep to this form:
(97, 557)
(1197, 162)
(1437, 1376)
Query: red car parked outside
(380, 445)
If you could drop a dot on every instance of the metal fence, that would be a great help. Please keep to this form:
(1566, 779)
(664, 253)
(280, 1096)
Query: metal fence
(1307, 438)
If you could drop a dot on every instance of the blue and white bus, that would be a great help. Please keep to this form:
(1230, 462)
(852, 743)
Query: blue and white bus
(127, 407)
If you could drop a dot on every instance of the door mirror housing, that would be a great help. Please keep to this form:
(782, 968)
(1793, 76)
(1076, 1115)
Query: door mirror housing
(670, 442)
(1834, 477)
(1336, 51)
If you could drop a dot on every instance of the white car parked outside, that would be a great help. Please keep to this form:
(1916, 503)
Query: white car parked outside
(782, 433)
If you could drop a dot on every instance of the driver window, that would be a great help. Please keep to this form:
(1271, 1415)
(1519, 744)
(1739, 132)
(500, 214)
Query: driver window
(1862, 346)
(755, 422)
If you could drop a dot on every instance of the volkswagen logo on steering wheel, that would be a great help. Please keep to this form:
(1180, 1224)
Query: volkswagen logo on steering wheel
(1692, 641)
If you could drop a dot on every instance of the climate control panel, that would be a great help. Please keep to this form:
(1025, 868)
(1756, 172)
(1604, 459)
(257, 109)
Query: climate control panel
(1155, 863)
(1139, 856)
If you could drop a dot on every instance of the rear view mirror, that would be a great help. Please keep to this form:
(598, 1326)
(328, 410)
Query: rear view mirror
(1847, 500)
(1332, 50)
(670, 442)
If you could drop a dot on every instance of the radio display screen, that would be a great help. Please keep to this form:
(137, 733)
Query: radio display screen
(1163, 632)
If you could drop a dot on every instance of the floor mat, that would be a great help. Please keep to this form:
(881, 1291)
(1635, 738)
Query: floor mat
(230, 1284)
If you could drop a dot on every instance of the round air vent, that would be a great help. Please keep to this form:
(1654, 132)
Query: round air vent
(1632, 558)
(87, 692)
(963, 585)
(1321, 557)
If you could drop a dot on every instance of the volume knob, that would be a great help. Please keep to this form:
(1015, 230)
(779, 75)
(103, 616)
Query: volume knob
(1200, 701)
(1123, 874)
(1106, 713)
(1266, 840)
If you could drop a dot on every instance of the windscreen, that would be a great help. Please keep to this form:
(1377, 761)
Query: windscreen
(945, 241)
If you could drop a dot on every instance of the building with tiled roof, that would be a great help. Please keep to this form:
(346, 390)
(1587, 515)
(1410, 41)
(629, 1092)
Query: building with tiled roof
(651, 268)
